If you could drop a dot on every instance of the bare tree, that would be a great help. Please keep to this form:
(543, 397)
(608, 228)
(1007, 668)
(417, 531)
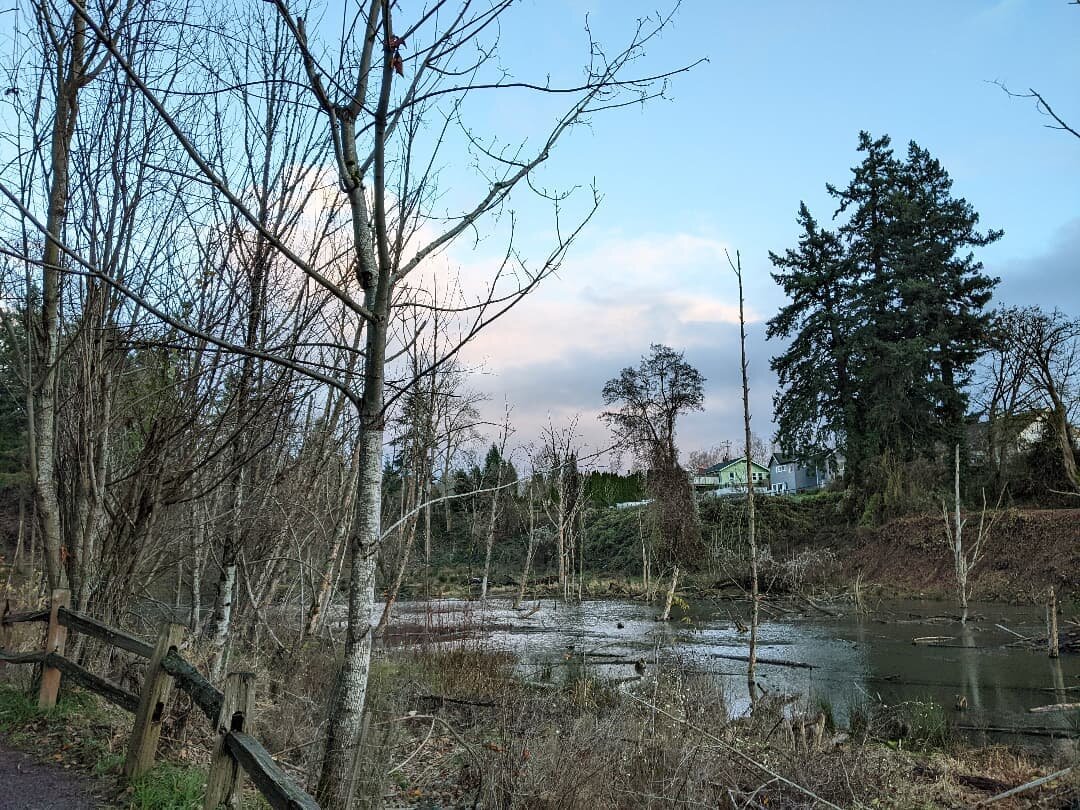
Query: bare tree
(530, 548)
(651, 397)
(1048, 350)
(558, 463)
(748, 450)
(501, 463)
(965, 558)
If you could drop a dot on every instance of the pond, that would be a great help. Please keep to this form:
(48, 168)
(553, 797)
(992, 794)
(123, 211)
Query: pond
(853, 658)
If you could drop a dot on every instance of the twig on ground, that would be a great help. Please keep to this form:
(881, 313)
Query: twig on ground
(1034, 783)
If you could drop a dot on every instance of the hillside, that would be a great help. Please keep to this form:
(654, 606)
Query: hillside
(1028, 550)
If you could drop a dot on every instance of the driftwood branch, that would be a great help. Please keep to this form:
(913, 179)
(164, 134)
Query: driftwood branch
(1034, 783)
(776, 662)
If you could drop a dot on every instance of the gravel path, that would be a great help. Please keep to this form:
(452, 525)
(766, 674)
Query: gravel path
(26, 784)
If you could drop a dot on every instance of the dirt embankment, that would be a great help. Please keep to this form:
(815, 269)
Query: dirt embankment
(1026, 551)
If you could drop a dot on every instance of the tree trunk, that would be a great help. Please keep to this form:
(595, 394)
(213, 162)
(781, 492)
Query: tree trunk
(751, 528)
(69, 77)
(581, 553)
(644, 559)
(489, 544)
(223, 612)
(960, 562)
(409, 538)
(336, 786)
(345, 515)
(337, 780)
(198, 540)
(560, 539)
(1060, 418)
(666, 615)
(528, 553)
(1052, 624)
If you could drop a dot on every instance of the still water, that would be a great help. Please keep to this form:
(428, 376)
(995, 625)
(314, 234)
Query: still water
(853, 658)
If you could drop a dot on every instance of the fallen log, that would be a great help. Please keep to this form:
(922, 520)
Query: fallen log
(816, 606)
(1054, 707)
(981, 782)
(776, 662)
(1007, 630)
(1021, 731)
(931, 639)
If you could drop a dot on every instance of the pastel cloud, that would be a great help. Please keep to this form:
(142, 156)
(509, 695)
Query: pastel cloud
(552, 354)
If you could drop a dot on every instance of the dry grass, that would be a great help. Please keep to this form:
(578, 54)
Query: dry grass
(453, 725)
(456, 723)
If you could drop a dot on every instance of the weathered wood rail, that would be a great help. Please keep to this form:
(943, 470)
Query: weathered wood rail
(236, 751)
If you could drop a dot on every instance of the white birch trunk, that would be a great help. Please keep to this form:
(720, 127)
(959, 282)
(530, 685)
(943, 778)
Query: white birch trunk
(337, 782)
(666, 615)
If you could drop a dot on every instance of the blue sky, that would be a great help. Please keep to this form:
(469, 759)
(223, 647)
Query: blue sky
(771, 118)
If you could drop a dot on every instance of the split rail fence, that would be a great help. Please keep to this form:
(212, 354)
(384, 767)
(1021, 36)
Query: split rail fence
(235, 752)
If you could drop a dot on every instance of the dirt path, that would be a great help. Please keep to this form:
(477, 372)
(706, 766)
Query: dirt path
(25, 783)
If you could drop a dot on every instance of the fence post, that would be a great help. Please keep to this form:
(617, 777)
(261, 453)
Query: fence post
(5, 628)
(237, 714)
(157, 686)
(55, 638)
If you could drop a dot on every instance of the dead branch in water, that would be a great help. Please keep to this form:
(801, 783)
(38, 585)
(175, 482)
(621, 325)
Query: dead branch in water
(1054, 707)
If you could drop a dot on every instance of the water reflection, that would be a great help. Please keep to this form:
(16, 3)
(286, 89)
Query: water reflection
(854, 658)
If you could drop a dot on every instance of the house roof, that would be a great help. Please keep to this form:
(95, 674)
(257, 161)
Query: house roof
(723, 465)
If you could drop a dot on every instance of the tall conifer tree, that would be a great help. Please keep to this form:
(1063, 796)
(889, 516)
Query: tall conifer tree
(887, 314)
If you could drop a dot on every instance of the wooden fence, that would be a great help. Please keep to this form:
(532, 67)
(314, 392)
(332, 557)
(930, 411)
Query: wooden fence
(235, 751)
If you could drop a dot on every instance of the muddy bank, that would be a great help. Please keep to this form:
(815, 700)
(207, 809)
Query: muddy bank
(1028, 550)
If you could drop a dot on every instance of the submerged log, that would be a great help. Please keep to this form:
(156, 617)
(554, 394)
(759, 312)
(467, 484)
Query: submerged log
(931, 639)
(776, 662)
(1054, 707)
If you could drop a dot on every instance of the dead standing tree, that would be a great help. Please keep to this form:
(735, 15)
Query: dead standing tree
(965, 559)
(561, 485)
(650, 397)
(751, 524)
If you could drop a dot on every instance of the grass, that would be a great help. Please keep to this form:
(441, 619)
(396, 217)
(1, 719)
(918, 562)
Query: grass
(168, 787)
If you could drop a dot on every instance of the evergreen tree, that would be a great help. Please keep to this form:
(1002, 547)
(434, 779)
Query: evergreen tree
(814, 404)
(887, 314)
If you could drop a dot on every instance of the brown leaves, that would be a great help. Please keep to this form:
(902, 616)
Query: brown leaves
(394, 44)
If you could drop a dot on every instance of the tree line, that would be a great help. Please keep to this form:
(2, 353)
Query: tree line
(893, 354)
(228, 284)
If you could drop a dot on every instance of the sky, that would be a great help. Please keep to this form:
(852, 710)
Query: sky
(721, 163)
(724, 162)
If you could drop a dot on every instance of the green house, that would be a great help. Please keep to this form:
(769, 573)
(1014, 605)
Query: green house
(731, 475)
